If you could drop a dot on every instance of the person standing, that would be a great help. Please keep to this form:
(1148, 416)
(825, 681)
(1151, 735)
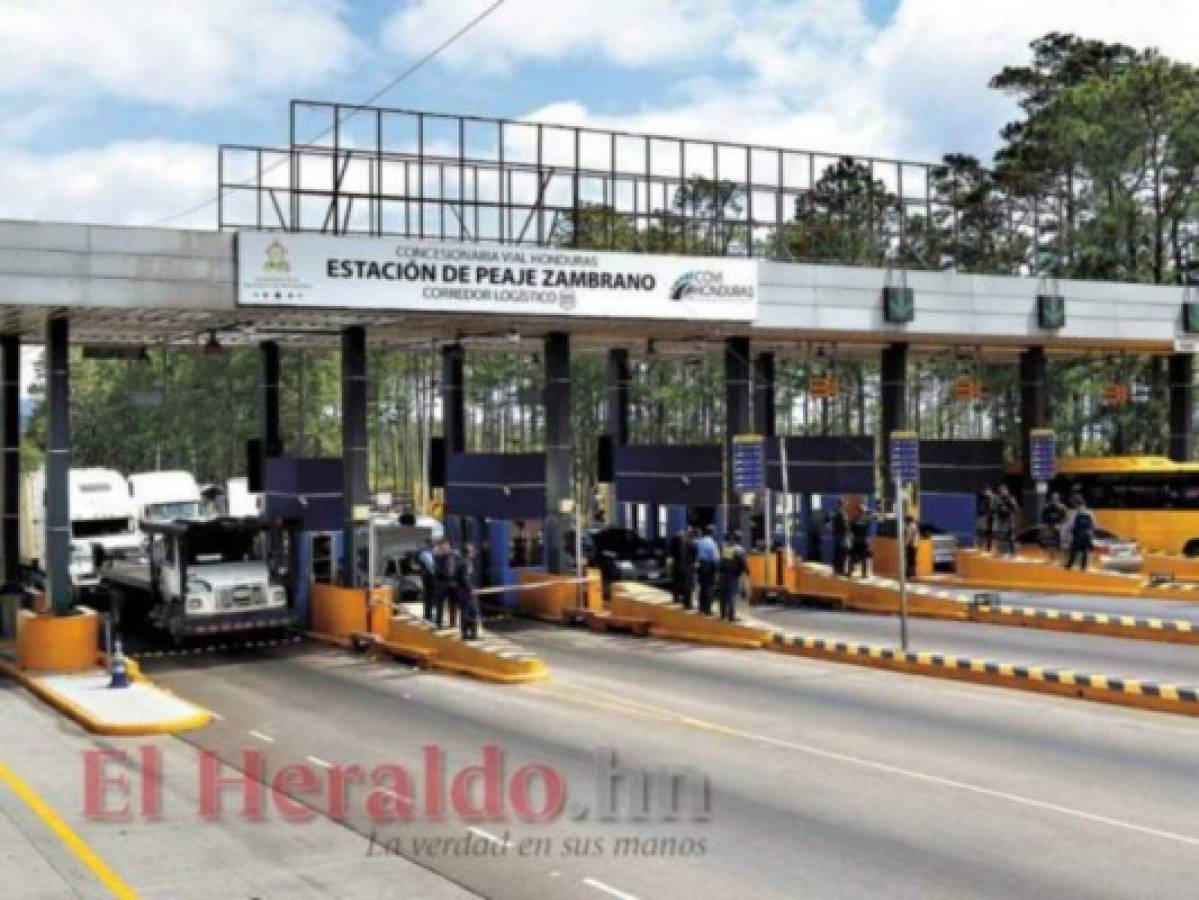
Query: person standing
(679, 563)
(425, 560)
(985, 517)
(689, 569)
(839, 522)
(707, 556)
(1053, 517)
(444, 565)
(1082, 534)
(911, 544)
(1006, 512)
(859, 535)
(733, 567)
(468, 603)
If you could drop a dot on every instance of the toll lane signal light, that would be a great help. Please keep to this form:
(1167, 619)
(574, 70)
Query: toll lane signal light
(1116, 394)
(823, 387)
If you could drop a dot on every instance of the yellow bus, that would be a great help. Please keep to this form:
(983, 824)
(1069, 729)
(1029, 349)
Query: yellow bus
(1151, 499)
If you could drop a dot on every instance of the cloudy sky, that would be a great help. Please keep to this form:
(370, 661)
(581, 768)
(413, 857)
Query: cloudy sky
(112, 108)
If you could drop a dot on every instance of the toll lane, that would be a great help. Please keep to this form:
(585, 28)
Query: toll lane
(826, 779)
(1093, 654)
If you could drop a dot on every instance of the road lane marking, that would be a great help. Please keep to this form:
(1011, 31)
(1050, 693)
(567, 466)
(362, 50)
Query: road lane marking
(317, 761)
(620, 703)
(265, 738)
(608, 889)
(487, 836)
(106, 876)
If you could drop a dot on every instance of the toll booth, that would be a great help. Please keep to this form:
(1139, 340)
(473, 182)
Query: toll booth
(496, 501)
(952, 472)
(663, 488)
(305, 493)
(820, 472)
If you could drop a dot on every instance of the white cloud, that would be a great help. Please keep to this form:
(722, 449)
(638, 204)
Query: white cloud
(626, 32)
(188, 54)
(128, 182)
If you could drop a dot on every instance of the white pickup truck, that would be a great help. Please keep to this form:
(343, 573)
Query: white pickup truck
(103, 518)
(203, 577)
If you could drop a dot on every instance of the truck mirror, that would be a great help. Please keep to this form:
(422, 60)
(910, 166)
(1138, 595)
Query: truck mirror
(98, 556)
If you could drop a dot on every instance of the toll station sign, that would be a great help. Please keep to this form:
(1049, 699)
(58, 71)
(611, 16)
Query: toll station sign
(905, 456)
(749, 464)
(1042, 454)
(314, 270)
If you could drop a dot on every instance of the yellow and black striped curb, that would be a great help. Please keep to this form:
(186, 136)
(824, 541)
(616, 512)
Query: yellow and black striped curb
(205, 649)
(1136, 627)
(1105, 689)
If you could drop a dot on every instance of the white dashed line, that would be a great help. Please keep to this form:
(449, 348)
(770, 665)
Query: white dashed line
(317, 761)
(608, 889)
(265, 738)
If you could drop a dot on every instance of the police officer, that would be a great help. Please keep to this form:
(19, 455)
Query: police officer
(1052, 517)
(468, 603)
(1082, 534)
(426, 562)
(682, 567)
(1006, 511)
(859, 548)
(707, 556)
(985, 517)
(840, 525)
(733, 566)
(444, 588)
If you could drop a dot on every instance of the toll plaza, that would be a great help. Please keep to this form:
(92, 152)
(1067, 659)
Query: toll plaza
(402, 229)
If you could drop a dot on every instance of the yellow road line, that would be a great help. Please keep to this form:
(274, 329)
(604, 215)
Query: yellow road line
(67, 835)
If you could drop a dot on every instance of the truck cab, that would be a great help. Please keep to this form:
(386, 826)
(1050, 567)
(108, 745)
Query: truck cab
(165, 496)
(205, 577)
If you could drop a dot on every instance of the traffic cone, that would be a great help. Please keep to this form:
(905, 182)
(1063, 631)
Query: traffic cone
(116, 667)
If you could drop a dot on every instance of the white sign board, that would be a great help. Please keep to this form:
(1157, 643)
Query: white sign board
(312, 270)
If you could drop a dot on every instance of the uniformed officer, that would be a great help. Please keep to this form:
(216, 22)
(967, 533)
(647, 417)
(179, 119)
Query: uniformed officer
(733, 565)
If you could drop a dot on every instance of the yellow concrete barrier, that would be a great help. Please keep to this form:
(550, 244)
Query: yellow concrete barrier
(556, 596)
(818, 581)
(338, 612)
(48, 643)
(489, 659)
(669, 620)
(886, 558)
(984, 570)
(1181, 568)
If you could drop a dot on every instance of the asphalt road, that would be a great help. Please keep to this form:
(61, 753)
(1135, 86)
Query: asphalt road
(1093, 654)
(826, 780)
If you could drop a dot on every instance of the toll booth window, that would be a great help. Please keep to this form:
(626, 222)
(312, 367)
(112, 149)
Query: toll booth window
(322, 559)
(527, 547)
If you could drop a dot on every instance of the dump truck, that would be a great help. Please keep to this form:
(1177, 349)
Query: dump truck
(204, 577)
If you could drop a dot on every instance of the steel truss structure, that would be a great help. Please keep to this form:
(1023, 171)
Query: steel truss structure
(378, 171)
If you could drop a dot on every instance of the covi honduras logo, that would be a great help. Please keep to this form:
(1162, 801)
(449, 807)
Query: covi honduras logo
(708, 284)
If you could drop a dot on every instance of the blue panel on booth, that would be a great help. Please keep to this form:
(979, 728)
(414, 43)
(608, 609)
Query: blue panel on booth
(669, 475)
(953, 513)
(305, 490)
(496, 485)
(960, 466)
(822, 465)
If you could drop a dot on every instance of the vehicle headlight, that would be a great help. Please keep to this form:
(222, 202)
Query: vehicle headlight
(278, 595)
(198, 586)
(194, 604)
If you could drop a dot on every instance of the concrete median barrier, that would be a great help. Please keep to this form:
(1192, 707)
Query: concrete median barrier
(670, 620)
(489, 659)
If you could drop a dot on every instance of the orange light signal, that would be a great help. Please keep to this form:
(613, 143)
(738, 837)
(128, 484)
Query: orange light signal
(967, 388)
(1116, 394)
(823, 387)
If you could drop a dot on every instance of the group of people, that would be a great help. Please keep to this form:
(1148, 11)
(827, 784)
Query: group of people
(851, 540)
(717, 569)
(447, 583)
(1066, 530)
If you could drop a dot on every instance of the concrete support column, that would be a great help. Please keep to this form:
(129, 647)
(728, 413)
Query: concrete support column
(353, 443)
(894, 389)
(272, 440)
(559, 451)
(453, 398)
(616, 417)
(1182, 407)
(58, 466)
(1034, 413)
(10, 432)
(616, 388)
(738, 412)
(764, 395)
